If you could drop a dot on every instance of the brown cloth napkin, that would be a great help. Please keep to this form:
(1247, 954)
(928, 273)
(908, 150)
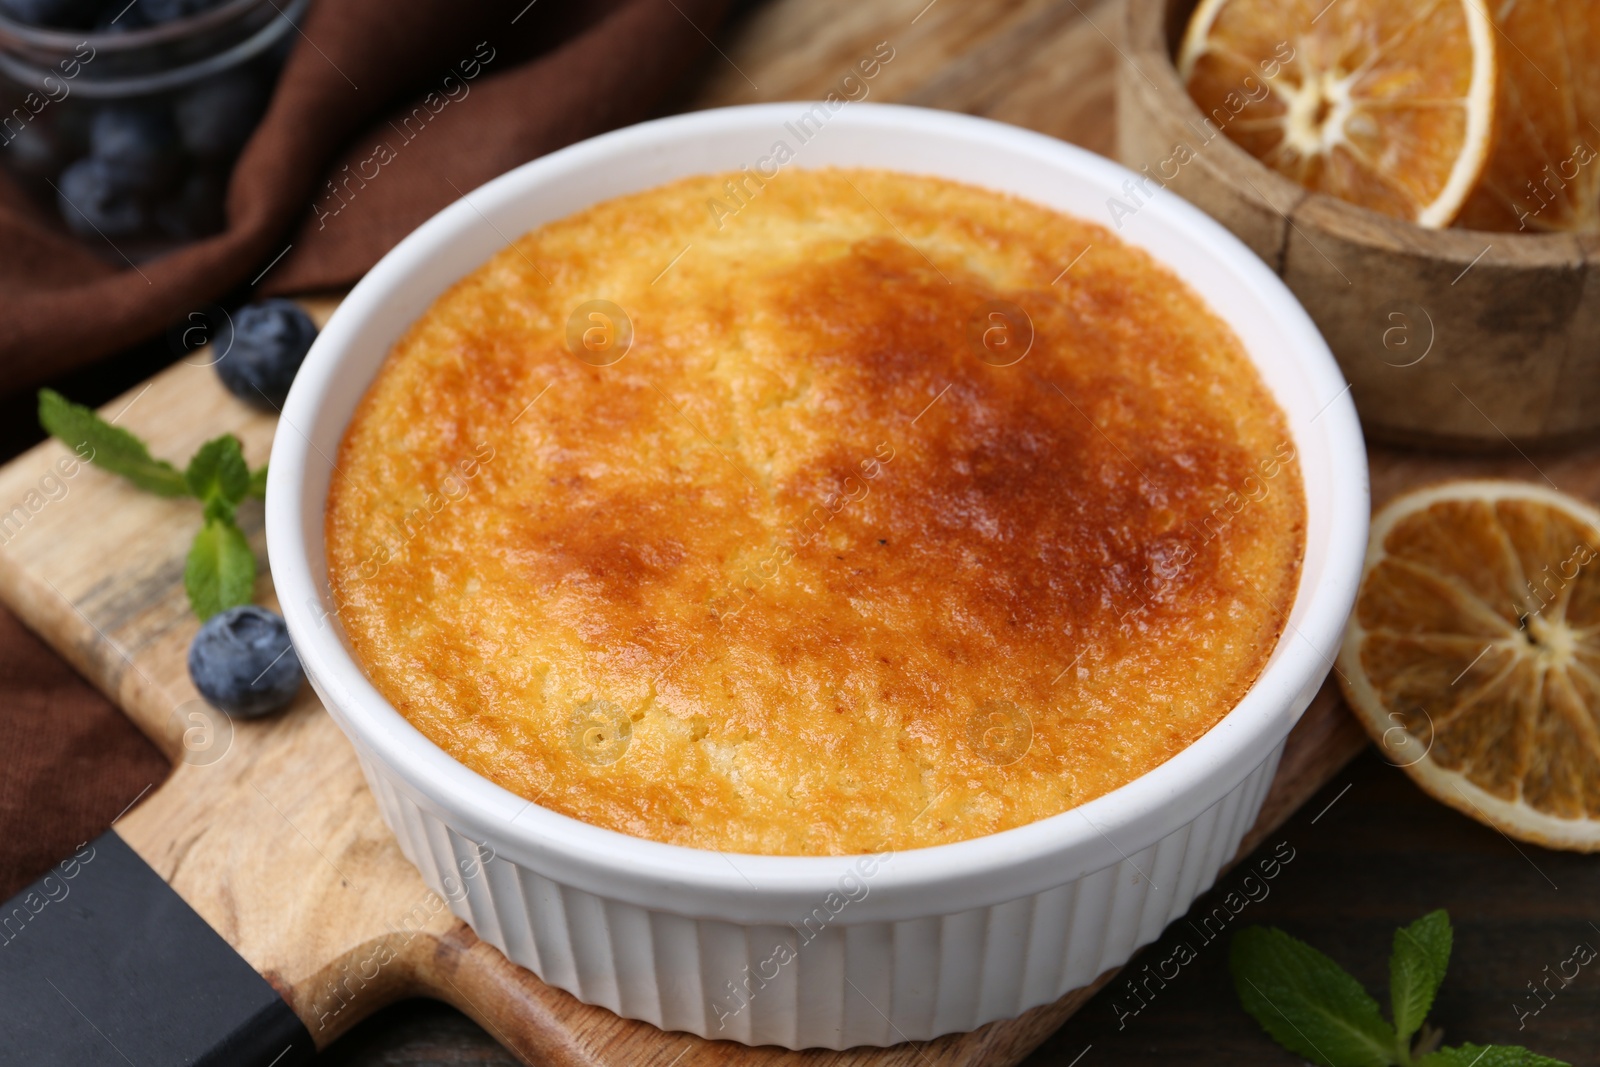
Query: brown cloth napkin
(385, 113)
(71, 760)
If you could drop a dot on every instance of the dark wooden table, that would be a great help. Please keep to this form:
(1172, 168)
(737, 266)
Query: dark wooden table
(1371, 852)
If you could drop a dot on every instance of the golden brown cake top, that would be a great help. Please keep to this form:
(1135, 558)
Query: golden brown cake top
(872, 524)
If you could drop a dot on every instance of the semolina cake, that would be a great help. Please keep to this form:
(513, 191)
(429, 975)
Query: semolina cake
(821, 514)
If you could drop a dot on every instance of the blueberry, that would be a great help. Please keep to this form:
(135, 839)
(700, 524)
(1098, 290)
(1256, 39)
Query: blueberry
(215, 117)
(62, 14)
(154, 11)
(262, 346)
(242, 662)
(197, 209)
(138, 142)
(93, 204)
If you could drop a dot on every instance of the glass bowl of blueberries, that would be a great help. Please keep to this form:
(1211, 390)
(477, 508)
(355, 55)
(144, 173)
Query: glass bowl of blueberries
(121, 119)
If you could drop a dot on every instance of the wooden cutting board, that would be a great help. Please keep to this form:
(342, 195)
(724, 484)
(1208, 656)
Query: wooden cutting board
(267, 829)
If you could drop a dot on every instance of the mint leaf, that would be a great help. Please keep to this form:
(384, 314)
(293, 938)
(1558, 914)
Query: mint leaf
(1416, 967)
(221, 570)
(1308, 1003)
(1488, 1056)
(258, 483)
(108, 446)
(218, 477)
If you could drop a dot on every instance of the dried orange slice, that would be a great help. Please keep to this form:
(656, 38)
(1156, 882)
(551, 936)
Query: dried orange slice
(1544, 172)
(1473, 655)
(1389, 105)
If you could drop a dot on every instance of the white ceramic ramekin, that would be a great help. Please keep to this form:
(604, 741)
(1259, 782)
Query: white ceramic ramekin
(825, 951)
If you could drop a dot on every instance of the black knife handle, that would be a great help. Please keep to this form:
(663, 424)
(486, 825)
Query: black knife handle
(102, 963)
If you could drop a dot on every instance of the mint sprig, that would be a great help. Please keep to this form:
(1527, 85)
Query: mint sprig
(1417, 964)
(218, 477)
(111, 447)
(1308, 1003)
(220, 572)
(1314, 1008)
(1470, 1055)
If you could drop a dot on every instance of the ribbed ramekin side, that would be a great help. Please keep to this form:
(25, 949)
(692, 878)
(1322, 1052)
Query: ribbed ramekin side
(869, 969)
(820, 971)
(1159, 881)
(1078, 931)
(594, 949)
(680, 975)
(403, 819)
(1252, 793)
(630, 933)
(1049, 955)
(1125, 910)
(1203, 838)
(1009, 929)
(468, 890)
(1086, 926)
(825, 982)
(732, 998)
(960, 944)
(1264, 776)
(507, 881)
(918, 949)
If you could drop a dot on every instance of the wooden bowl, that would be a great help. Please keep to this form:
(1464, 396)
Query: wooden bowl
(1450, 338)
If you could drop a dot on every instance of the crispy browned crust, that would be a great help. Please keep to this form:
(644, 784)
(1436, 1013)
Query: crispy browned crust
(806, 572)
